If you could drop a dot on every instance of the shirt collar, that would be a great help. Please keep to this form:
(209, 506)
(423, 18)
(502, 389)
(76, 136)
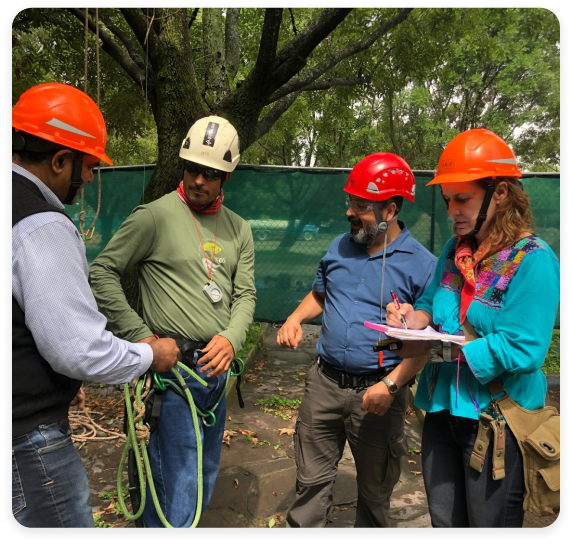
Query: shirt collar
(404, 243)
(49, 195)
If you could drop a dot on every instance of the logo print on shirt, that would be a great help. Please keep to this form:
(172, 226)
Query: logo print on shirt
(207, 248)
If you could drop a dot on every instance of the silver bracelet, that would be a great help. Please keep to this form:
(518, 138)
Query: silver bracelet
(447, 352)
(433, 352)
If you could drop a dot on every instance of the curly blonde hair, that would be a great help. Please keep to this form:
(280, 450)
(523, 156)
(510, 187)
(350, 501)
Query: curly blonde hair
(513, 217)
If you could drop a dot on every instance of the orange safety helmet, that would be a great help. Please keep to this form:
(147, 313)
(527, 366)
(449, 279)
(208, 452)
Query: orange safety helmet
(475, 154)
(64, 115)
(381, 176)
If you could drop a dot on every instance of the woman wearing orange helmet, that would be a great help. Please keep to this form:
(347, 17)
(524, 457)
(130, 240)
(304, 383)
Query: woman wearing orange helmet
(488, 276)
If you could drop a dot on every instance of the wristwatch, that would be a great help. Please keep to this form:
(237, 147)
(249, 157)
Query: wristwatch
(391, 386)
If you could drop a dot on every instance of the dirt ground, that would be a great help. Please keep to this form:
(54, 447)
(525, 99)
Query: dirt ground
(101, 457)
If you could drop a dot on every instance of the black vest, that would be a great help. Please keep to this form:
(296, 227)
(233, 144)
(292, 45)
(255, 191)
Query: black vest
(39, 394)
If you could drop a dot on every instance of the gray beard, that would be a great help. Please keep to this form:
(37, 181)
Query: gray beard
(366, 235)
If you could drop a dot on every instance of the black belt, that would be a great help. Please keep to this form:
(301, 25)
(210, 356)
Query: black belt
(352, 381)
(186, 347)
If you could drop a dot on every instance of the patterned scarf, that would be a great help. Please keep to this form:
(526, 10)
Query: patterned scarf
(210, 209)
(466, 261)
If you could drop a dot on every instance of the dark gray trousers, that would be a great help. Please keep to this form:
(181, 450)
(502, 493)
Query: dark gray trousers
(329, 416)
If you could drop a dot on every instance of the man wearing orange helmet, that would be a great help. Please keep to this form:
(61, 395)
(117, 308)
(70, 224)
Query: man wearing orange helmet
(352, 393)
(486, 280)
(195, 259)
(58, 335)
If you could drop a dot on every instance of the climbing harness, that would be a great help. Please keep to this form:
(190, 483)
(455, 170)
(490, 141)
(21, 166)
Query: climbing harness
(142, 411)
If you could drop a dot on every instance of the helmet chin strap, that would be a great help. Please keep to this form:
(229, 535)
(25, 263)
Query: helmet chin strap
(484, 208)
(382, 225)
(76, 181)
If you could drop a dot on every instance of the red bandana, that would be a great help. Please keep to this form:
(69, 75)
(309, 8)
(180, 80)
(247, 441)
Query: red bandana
(466, 261)
(209, 209)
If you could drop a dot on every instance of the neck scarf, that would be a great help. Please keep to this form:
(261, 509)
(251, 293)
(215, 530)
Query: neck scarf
(209, 209)
(466, 261)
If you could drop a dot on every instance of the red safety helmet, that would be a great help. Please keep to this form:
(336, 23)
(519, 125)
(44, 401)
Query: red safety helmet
(381, 176)
(475, 154)
(64, 115)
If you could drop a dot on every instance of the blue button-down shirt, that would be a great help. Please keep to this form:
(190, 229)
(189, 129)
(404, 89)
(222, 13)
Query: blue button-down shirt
(50, 284)
(351, 280)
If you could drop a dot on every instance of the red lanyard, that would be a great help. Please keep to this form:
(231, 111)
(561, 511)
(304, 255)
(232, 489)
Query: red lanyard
(210, 268)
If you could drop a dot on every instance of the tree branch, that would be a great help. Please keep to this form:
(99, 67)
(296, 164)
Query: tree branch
(232, 43)
(215, 81)
(125, 40)
(293, 57)
(267, 49)
(139, 23)
(113, 49)
(267, 122)
(325, 84)
(293, 21)
(193, 17)
(313, 73)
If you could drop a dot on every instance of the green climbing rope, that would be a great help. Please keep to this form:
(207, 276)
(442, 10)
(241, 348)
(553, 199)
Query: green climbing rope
(140, 448)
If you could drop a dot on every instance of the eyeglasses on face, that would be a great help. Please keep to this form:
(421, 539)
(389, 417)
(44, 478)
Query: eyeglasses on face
(359, 206)
(210, 174)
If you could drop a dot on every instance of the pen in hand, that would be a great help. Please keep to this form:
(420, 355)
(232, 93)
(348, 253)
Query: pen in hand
(396, 302)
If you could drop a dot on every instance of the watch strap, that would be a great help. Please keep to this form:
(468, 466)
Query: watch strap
(391, 386)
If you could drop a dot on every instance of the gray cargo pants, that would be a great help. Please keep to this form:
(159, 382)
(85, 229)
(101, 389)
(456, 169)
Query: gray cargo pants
(329, 416)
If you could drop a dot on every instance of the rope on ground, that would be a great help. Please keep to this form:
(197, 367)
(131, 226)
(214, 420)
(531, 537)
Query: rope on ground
(85, 428)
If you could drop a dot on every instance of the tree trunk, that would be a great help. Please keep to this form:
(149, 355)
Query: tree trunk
(179, 103)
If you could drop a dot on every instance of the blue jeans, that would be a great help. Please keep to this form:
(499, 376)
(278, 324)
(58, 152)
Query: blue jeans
(457, 494)
(173, 452)
(49, 481)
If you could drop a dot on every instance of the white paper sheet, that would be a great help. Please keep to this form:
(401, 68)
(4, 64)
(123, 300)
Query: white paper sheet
(409, 334)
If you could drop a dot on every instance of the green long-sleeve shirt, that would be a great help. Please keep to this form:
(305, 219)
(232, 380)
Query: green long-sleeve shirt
(163, 241)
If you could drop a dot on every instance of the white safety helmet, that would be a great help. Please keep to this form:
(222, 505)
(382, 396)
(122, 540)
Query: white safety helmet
(212, 141)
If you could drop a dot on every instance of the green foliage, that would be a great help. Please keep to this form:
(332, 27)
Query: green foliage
(442, 71)
(276, 402)
(112, 495)
(279, 407)
(252, 338)
(99, 523)
(552, 362)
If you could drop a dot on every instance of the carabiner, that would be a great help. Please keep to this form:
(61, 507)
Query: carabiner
(238, 362)
(207, 414)
(159, 381)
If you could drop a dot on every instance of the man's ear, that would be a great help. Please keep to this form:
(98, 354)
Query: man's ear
(59, 160)
(391, 209)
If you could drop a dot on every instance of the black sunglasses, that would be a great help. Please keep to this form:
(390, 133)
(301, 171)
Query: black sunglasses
(210, 174)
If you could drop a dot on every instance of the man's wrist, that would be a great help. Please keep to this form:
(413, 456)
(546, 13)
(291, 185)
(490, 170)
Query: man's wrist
(392, 387)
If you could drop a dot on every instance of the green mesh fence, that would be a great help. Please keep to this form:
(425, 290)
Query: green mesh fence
(295, 213)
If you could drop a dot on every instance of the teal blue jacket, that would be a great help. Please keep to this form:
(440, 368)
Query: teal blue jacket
(517, 293)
